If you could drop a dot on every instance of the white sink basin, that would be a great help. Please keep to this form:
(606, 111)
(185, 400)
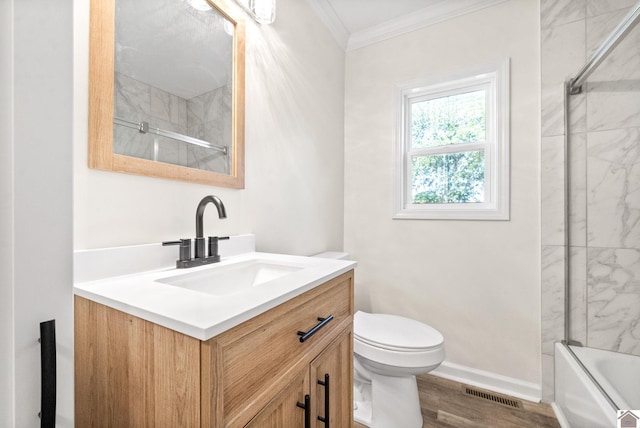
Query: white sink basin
(235, 278)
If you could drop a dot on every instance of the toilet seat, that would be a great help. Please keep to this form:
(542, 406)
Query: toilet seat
(396, 341)
(395, 333)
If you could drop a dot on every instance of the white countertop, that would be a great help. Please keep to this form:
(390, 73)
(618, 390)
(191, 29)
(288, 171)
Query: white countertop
(202, 315)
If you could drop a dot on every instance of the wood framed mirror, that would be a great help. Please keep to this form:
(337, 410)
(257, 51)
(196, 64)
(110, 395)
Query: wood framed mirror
(166, 89)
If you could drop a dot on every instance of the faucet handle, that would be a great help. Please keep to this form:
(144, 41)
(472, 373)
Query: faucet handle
(213, 244)
(166, 243)
(185, 248)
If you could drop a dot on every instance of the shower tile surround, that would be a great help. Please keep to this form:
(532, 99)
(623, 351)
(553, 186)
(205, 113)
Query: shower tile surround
(605, 181)
(197, 117)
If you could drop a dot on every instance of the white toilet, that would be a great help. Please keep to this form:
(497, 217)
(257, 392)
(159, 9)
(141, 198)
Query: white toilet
(389, 351)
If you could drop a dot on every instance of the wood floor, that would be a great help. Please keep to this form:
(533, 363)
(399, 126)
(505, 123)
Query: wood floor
(447, 404)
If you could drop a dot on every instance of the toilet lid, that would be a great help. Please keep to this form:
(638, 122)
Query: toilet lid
(395, 332)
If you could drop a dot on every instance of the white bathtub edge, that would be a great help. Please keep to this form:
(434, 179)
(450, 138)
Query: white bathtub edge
(579, 400)
(488, 380)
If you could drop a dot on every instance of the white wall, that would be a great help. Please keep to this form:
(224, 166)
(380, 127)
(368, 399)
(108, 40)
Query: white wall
(6, 217)
(293, 199)
(477, 282)
(35, 220)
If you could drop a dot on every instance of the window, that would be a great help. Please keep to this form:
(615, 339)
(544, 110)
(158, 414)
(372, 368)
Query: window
(452, 148)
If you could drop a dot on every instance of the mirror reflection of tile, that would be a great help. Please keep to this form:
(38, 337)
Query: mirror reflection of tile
(206, 116)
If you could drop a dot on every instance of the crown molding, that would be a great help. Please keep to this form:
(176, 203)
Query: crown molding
(328, 16)
(438, 12)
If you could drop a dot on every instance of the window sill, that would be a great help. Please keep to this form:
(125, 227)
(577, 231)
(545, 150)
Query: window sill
(449, 212)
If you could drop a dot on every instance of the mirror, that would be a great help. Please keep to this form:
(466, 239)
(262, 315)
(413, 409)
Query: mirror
(166, 89)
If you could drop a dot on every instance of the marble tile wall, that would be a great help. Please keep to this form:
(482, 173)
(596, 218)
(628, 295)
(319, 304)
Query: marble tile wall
(604, 171)
(209, 118)
(198, 117)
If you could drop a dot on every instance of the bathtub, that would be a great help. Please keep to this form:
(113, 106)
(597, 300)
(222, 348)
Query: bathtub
(579, 402)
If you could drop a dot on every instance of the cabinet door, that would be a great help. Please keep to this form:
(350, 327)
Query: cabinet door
(246, 366)
(284, 410)
(332, 377)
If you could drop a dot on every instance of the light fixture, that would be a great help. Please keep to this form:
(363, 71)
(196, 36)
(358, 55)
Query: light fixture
(200, 5)
(263, 11)
(244, 4)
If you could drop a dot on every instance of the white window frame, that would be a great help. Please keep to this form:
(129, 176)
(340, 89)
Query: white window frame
(494, 78)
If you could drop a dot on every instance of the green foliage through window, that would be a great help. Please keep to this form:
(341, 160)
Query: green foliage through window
(448, 178)
(453, 119)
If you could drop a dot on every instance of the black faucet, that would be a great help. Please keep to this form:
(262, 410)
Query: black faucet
(222, 213)
(201, 257)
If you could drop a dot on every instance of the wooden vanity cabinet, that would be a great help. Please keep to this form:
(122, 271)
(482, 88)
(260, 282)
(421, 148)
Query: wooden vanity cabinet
(329, 376)
(284, 409)
(130, 372)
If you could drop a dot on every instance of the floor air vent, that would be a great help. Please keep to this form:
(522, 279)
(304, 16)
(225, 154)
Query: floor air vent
(505, 401)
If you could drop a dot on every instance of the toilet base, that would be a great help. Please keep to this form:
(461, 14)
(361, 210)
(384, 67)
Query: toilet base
(362, 401)
(362, 413)
(387, 402)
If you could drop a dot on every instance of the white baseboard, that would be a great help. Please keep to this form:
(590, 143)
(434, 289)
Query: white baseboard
(491, 381)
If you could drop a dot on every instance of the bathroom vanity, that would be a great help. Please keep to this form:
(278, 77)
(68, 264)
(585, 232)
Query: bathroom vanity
(276, 354)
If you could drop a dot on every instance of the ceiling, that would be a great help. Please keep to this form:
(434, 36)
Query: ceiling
(357, 23)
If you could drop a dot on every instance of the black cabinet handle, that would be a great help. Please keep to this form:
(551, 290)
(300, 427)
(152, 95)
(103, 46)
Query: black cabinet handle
(48, 374)
(327, 415)
(307, 410)
(323, 321)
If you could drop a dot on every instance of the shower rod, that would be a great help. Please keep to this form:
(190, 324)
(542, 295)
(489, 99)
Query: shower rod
(143, 128)
(616, 36)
